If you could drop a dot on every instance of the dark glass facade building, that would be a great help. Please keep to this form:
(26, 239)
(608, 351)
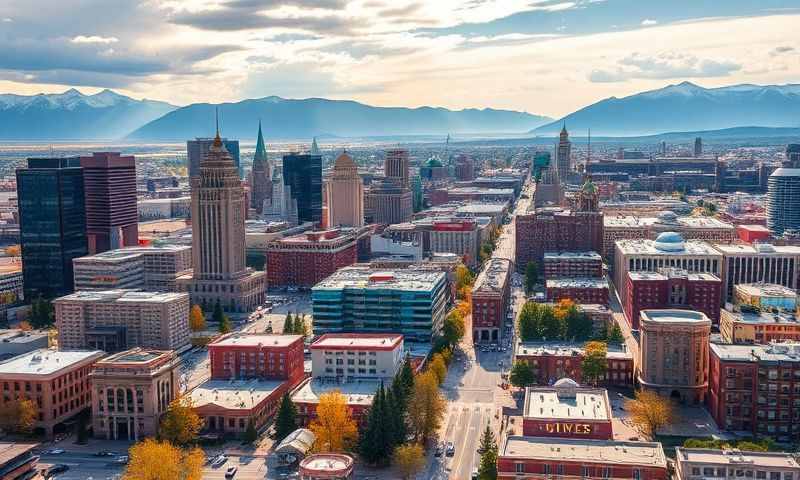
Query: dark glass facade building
(302, 174)
(52, 217)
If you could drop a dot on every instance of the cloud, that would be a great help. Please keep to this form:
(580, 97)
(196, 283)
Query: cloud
(647, 22)
(664, 66)
(94, 39)
(781, 50)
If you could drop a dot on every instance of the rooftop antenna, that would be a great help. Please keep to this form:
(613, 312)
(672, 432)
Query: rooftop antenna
(216, 118)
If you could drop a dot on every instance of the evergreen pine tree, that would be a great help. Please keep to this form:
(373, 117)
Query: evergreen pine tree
(370, 441)
(404, 382)
(288, 324)
(285, 419)
(251, 434)
(385, 434)
(487, 440)
(488, 448)
(219, 315)
(397, 418)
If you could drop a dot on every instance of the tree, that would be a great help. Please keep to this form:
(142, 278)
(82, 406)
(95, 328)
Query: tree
(285, 419)
(396, 416)
(649, 411)
(41, 313)
(159, 460)
(334, 427)
(181, 423)
(426, 406)
(219, 315)
(225, 326)
(250, 434)
(18, 415)
(403, 383)
(25, 326)
(550, 326)
(487, 470)
(378, 440)
(464, 277)
(454, 328)
(521, 374)
(594, 363)
(197, 321)
(13, 250)
(409, 459)
(288, 324)
(615, 336)
(577, 324)
(531, 276)
(438, 367)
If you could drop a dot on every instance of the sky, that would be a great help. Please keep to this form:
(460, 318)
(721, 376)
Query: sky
(547, 57)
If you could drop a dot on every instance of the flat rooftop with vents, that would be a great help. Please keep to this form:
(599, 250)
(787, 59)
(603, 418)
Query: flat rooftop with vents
(582, 450)
(570, 403)
(47, 362)
(255, 340)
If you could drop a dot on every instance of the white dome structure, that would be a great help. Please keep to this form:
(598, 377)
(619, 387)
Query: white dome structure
(670, 242)
(667, 216)
(566, 383)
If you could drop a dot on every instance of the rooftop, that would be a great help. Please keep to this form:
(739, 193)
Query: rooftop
(577, 283)
(123, 296)
(566, 349)
(13, 335)
(654, 247)
(326, 462)
(234, 394)
(674, 221)
(128, 253)
(494, 275)
(255, 340)
(46, 362)
(774, 352)
(136, 356)
(766, 290)
(557, 256)
(671, 272)
(354, 341)
(364, 277)
(10, 451)
(584, 450)
(567, 402)
(357, 392)
(674, 316)
(709, 456)
(757, 249)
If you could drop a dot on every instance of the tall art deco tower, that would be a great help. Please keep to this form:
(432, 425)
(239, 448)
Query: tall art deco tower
(345, 194)
(220, 274)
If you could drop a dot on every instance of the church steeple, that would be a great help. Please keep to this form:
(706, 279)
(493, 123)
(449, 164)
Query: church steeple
(314, 147)
(260, 157)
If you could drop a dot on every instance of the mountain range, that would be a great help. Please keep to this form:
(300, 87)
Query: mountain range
(72, 115)
(304, 118)
(685, 107)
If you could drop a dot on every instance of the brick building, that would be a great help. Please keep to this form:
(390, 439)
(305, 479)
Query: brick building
(747, 325)
(554, 361)
(130, 392)
(567, 410)
(580, 290)
(674, 354)
(57, 381)
(557, 230)
(671, 288)
(528, 458)
(755, 389)
(306, 259)
(703, 463)
(490, 299)
(266, 356)
(573, 264)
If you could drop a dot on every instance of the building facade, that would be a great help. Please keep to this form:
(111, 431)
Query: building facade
(115, 320)
(308, 258)
(151, 268)
(580, 290)
(56, 381)
(783, 201)
(761, 262)
(265, 356)
(674, 354)
(456, 235)
(220, 275)
(352, 357)
(388, 202)
(302, 185)
(572, 264)
(754, 389)
(567, 410)
(345, 194)
(564, 154)
(491, 296)
(395, 166)
(362, 299)
(110, 187)
(671, 288)
(554, 361)
(745, 325)
(197, 150)
(131, 390)
(703, 463)
(52, 219)
(260, 181)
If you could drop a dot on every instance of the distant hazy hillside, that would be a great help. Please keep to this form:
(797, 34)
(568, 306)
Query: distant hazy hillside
(685, 107)
(287, 118)
(74, 116)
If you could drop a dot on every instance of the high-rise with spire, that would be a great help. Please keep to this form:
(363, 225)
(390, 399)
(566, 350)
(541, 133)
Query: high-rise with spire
(260, 183)
(220, 274)
(563, 154)
(345, 194)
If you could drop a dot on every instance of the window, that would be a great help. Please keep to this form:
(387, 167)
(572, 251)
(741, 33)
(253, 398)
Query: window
(519, 467)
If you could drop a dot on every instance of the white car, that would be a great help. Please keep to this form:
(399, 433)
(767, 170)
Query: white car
(55, 451)
(219, 460)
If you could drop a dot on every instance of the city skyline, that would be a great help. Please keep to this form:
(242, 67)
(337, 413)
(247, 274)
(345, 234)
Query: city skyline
(512, 55)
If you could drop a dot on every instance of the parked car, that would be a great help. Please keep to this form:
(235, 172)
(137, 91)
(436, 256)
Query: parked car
(439, 450)
(55, 451)
(105, 453)
(231, 471)
(451, 449)
(55, 470)
(219, 460)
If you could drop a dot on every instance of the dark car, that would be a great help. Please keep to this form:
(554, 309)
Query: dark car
(105, 453)
(55, 470)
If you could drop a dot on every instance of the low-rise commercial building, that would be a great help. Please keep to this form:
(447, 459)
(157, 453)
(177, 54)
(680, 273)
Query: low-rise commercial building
(306, 259)
(56, 381)
(754, 389)
(573, 264)
(326, 466)
(15, 342)
(115, 320)
(347, 357)
(359, 396)
(705, 463)
(491, 295)
(746, 325)
(765, 296)
(553, 361)
(580, 290)
(265, 356)
(528, 458)
(412, 302)
(228, 406)
(150, 268)
(131, 390)
(567, 410)
(671, 288)
(674, 354)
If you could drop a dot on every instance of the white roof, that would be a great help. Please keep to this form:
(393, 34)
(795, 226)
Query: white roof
(567, 403)
(256, 339)
(674, 316)
(584, 450)
(648, 247)
(235, 394)
(123, 296)
(357, 392)
(356, 341)
(708, 456)
(45, 361)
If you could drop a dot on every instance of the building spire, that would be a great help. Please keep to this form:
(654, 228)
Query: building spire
(217, 140)
(314, 147)
(260, 156)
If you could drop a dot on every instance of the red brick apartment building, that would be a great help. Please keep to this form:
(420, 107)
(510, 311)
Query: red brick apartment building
(306, 259)
(580, 290)
(573, 265)
(554, 361)
(567, 410)
(490, 298)
(671, 288)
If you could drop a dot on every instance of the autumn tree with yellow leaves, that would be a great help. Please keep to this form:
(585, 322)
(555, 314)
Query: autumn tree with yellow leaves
(160, 460)
(426, 406)
(409, 459)
(18, 415)
(334, 427)
(197, 321)
(649, 411)
(181, 423)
